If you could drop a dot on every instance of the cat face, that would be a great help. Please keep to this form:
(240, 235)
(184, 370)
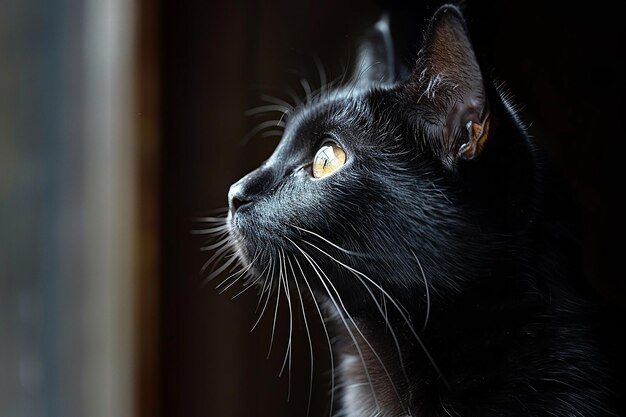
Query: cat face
(384, 183)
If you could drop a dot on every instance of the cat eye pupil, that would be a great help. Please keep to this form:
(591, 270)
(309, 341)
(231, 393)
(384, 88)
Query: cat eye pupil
(329, 158)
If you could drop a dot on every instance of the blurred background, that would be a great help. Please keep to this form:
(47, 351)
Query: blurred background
(121, 121)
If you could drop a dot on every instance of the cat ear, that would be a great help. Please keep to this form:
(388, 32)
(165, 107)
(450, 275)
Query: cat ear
(375, 62)
(448, 85)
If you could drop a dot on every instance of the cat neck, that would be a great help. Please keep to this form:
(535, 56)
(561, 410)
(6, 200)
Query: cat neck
(386, 366)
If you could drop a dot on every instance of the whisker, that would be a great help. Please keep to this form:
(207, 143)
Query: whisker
(356, 344)
(242, 273)
(282, 117)
(271, 134)
(235, 265)
(278, 101)
(270, 282)
(427, 292)
(219, 270)
(330, 346)
(321, 72)
(268, 108)
(215, 245)
(266, 284)
(384, 301)
(208, 219)
(307, 89)
(219, 254)
(388, 324)
(251, 284)
(209, 230)
(276, 309)
(238, 275)
(349, 252)
(294, 96)
(261, 126)
(218, 210)
(308, 334)
(404, 316)
(289, 352)
(216, 236)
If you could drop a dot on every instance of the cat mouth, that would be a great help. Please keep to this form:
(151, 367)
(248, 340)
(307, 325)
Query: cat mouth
(246, 245)
(239, 241)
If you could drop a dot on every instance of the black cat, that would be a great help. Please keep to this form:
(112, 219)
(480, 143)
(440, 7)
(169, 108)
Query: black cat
(414, 209)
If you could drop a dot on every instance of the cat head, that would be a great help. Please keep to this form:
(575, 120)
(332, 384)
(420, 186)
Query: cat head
(392, 179)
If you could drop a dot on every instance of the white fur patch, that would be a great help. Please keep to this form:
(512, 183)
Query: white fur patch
(358, 400)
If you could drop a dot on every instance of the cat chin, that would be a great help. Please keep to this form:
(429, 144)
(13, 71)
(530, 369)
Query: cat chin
(240, 248)
(243, 249)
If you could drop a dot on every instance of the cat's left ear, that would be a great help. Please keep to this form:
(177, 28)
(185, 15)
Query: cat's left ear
(375, 62)
(447, 86)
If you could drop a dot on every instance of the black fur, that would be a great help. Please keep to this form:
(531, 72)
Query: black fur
(476, 242)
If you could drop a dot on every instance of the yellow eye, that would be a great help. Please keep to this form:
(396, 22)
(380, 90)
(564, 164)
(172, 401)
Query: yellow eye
(328, 159)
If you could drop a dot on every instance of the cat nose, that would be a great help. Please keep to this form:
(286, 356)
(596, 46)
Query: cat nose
(250, 188)
(237, 197)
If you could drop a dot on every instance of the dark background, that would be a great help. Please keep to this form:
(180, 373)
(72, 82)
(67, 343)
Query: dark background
(563, 65)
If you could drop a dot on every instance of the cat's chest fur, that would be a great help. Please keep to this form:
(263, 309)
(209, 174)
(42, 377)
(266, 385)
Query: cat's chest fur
(356, 396)
(370, 379)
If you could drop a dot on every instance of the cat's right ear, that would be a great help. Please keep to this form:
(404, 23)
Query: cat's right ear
(376, 59)
(447, 88)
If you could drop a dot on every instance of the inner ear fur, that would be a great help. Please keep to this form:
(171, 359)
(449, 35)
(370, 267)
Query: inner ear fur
(447, 85)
